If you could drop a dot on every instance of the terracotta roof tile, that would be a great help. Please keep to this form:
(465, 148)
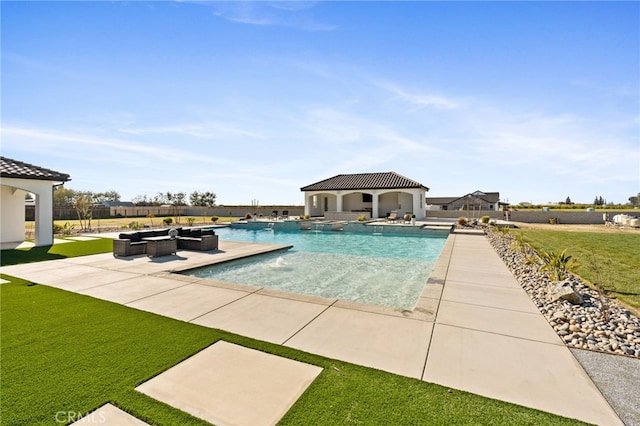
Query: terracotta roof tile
(388, 180)
(17, 169)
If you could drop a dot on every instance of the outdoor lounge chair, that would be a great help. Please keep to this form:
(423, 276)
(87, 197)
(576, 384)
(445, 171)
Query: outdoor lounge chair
(393, 216)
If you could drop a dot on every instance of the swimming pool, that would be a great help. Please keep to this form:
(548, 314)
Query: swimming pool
(388, 270)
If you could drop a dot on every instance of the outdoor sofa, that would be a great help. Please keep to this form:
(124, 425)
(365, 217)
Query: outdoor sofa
(132, 243)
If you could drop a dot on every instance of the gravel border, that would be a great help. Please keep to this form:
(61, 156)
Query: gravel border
(618, 378)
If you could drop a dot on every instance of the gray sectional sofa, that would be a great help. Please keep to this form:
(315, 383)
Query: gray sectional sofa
(132, 243)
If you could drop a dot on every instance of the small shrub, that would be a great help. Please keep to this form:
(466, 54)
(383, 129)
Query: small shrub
(362, 218)
(167, 221)
(135, 225)
(463, 221)
(485, 219)
(214, 219)
(557, 265)
(57, 229)
(191, 221)
(247, 216)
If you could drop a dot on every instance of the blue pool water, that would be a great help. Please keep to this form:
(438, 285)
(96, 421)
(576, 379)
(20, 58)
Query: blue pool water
(388, 270)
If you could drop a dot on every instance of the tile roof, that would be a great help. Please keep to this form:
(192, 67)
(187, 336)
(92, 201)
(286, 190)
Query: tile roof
(388, 180)
(17, 169)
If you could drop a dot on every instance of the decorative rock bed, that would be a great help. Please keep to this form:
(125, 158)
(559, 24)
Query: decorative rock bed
(598, 324)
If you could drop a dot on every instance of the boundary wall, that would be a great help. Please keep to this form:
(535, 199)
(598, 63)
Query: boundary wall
(537, 216)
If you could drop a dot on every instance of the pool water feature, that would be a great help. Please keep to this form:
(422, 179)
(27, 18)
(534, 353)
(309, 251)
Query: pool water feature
(383, 269)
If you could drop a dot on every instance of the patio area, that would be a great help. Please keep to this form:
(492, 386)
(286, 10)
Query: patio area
(475, 329)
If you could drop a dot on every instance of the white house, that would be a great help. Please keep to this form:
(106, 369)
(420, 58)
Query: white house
(17, 179)
(376, 194)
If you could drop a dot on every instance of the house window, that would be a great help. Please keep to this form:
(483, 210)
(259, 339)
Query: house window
(367, 198)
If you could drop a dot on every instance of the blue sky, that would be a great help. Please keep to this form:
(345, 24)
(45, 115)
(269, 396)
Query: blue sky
(536, 100)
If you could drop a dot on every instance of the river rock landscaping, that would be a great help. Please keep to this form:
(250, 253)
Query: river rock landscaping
(598, 323)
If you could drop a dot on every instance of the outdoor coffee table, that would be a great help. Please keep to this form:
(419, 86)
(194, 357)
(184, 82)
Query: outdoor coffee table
(161, 246)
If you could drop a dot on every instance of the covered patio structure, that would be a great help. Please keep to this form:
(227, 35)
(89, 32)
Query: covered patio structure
(19, 179)
(373, 194)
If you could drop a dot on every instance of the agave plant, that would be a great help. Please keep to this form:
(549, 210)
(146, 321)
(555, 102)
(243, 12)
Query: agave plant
(557, 265)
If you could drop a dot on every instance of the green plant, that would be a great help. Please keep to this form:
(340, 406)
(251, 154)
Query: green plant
(413, 216)
(135, 225)
(362, 218)
(463, 221)
(67, 229)
(214, 219)
(485, 219)
(557, 265)
(247, 216)
(191, 221)
(167, 221)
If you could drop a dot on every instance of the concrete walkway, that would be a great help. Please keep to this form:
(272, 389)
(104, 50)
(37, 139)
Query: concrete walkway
(474, 328)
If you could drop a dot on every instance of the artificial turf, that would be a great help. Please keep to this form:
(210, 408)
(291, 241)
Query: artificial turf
(56, 251)
(68, 353)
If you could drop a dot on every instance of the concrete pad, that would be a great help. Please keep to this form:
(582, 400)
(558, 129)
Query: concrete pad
(2, 281)
(109, 415)
(482, 277)
(504, 298)
(57, 272)
(273, 319)
(525, 372)
(92, 280)
(384, 342)
(507, 322)
(133, 289)
(227, 384)
(188, 302)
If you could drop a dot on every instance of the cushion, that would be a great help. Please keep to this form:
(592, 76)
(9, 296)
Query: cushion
(208, 232)
(196, 233)
(124, 236)
(185, 232)
(146, 234)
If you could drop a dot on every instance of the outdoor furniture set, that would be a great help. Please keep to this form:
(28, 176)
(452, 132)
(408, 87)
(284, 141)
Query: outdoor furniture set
(162, 242)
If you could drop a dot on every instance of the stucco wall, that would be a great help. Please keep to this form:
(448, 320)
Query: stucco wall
(12, 215)
(529, 216)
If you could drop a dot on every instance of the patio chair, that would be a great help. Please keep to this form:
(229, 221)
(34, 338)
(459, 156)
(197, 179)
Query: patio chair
(407, 218)
(393, 216)
(285, 214)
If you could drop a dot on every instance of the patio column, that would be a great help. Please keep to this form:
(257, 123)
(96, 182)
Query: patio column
(418, 209)
(374, 207)
(338, 201)
(44, 217)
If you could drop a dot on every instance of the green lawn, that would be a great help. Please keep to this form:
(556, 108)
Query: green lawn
(618, 255)
(67, 353)
(57, 251)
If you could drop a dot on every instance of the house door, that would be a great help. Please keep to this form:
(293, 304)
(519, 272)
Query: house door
(326, 204)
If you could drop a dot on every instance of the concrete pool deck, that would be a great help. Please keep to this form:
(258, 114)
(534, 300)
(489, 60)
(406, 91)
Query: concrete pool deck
(474, 328)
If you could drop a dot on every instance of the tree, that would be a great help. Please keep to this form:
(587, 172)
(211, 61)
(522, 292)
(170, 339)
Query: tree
(141, 200)
(63, 197)
(635, 200)
(83, 203)
(204, 199)
(568, 201)
(107, 196)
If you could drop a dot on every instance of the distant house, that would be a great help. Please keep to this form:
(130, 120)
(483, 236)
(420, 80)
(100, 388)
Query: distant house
(477, 200)
(19, 179)
(117, 204)
(374, 193)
